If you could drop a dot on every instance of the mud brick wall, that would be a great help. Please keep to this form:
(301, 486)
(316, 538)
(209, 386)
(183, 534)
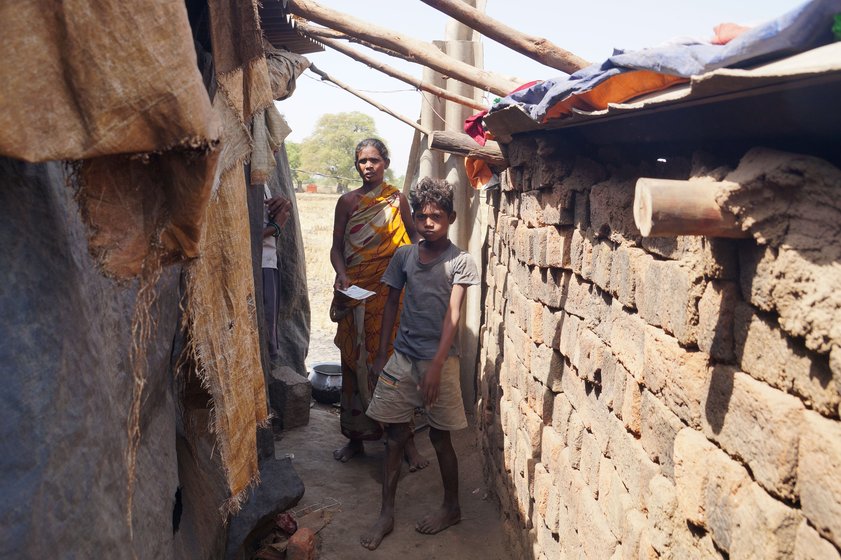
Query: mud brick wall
(674, 398)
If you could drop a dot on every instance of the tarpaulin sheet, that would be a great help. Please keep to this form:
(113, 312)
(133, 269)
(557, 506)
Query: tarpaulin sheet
(628, 74)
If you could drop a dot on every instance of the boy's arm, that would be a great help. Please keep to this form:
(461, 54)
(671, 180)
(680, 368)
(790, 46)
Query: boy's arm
(432, 380)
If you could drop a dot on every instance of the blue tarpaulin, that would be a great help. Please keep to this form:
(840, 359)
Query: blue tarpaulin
(805, 27)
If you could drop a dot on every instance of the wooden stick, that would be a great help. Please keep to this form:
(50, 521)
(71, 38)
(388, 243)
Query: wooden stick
(318, 32)
(667, 208)
(425, 53)
(463, 145)
(362, 96)
(402, 76)
(537, 48)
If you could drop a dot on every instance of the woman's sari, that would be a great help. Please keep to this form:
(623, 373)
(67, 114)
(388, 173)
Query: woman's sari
(374, 231)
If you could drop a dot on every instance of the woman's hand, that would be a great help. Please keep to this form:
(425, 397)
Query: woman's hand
(342, 282)
(279, 208)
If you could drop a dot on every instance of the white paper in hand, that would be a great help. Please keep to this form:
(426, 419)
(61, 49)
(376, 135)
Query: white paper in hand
(356, 292)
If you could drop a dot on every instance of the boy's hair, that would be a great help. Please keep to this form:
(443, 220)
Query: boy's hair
(432, 191)
(375, 143)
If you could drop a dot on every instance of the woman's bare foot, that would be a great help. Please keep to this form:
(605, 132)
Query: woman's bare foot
(347, 452)
(414, 458)
(438, 521)
(377, 533)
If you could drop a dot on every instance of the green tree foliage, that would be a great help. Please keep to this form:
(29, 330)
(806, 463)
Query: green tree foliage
(329, 149)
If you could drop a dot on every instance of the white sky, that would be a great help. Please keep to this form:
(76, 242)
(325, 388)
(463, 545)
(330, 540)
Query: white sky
(590, 29)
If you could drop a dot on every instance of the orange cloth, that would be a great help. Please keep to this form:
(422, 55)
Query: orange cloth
(373, 232)
(615, 89)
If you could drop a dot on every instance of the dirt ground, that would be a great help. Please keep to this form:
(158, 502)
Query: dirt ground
(352, 490)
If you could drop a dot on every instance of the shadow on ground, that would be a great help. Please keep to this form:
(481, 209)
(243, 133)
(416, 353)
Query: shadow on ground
(356, 487)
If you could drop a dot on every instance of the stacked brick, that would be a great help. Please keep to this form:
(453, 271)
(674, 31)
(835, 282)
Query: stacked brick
(635, 400)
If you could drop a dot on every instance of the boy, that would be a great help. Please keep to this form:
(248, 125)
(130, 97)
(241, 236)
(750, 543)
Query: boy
(424, 368)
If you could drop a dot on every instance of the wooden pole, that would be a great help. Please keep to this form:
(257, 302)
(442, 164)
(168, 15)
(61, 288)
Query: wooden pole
(423, 52)
(362, 96)
(402, 76)
(537, 48)
(463, 145)
(318, 32)
(667, 208)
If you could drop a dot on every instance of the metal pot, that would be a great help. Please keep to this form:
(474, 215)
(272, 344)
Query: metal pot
(326, 380)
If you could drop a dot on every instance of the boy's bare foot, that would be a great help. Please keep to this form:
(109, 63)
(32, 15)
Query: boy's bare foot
(414, 458)
(438, 521)
(377, 533)
(347, 452)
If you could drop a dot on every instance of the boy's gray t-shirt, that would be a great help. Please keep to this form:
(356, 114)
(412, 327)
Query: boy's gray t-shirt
(426, 296)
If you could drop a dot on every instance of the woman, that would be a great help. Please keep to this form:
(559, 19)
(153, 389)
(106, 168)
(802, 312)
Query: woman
(370, 223)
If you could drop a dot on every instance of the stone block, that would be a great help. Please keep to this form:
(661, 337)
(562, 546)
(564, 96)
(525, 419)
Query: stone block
(758, 423)
(540, 242)
(598, 540)
(539, 399)
(574, 439)
(678, 376)
(547, 365)
(542, 487)
(633, 527)
(591, 457)
(631, 410)
(289, 396)
(715, 320)
(552, 327)
(809, 545)
(602, 264)
(569, 327)
(614, 378)
(668, 294)
(555, 287)
(557, 206)
(626, 336)
(611, 210)
(659, 427)
(624, 272)
(661, 504)
(707, 483)
(819, 478)
(561, 411)
(613, 498)
(531, 212)
(763, 527)
(551, 446)
(767, 354)
(580, 250)
(534, 321)
(558, 246)
(630, 460)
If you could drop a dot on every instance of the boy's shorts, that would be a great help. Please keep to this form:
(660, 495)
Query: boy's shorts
(397, 395)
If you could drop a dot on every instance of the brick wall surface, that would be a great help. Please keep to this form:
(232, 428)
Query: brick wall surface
(656, 398)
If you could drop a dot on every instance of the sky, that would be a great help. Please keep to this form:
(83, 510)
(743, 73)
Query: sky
(590, 29)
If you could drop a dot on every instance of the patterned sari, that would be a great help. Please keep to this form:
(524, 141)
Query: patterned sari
(374, 231)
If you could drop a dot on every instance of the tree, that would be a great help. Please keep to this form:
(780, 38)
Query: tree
(293, 155)
(330, 148)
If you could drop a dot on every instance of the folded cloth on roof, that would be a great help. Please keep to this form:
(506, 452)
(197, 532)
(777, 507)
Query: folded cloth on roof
(626, 75)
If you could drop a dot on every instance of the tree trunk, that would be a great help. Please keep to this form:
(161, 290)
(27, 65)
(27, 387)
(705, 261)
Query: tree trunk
(537, 48)
(667, 208)
(417, 51)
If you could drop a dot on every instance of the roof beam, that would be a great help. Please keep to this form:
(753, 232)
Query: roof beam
(537, 48)
(395, 73)
(421, 51)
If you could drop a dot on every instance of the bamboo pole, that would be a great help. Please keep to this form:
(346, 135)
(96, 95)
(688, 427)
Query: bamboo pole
(668, 208)
(463, 145)
(402, 76)
(423, 52)
(537, 48)
(362, 96)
